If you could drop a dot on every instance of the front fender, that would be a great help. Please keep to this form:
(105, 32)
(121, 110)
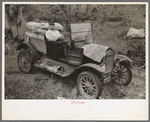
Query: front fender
(93, 66)
(34, 53)
(122, 58)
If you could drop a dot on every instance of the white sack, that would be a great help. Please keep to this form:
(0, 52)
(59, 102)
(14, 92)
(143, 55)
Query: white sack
(44, 25)
(33, 26)
(136, 33)
(58, 27)
(53, 35)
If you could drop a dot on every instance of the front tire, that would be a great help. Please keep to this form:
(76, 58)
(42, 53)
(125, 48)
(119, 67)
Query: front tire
(89, 85)
(123, 73)
(24, 61)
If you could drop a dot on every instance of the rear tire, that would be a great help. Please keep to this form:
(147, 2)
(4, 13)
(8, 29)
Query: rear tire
(89, 85)
(124, 74)
(24, 61)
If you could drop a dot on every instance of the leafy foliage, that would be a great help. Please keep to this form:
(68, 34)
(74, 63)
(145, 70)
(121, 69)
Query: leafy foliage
(90, 12)
(97, 13)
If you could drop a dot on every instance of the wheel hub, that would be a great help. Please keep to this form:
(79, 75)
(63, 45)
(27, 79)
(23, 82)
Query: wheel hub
(119, 73)
(24, 60)
(88, 84)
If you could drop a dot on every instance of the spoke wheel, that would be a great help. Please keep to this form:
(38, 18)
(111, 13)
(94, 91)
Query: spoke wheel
(123, 74)
(89, 85)
(24, 61)
(138, 59)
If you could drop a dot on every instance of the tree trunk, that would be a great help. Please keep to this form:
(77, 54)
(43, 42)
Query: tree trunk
(17, 23)
(68, 20)
(87, 8)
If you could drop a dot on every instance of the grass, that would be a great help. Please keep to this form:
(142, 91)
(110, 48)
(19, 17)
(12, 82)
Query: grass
(38, 85)
(41, 84)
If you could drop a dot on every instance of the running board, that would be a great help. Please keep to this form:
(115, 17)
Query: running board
(59, 68)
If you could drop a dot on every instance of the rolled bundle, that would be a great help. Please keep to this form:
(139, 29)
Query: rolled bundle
(33, 26)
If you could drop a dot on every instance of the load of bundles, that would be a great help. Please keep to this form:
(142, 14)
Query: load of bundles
(135, 33)
(44, 28)
(33, 26)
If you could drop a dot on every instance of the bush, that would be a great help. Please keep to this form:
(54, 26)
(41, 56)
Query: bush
(122, 33)
(114, 19)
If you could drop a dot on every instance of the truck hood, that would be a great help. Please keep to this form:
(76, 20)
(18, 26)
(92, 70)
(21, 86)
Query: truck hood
(95, 51)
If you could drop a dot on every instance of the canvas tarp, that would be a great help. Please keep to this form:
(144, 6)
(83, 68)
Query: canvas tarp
(135, 33)
(94, 51)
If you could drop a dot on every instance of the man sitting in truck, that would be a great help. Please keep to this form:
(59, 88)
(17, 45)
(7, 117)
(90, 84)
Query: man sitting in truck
(53, 34)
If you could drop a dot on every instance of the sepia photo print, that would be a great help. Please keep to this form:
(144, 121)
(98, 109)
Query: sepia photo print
(75, 51)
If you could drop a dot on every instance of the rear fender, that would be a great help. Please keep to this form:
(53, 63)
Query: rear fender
(34, 53)
(122, 58)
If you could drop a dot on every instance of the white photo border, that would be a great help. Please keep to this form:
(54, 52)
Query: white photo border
(63, 109)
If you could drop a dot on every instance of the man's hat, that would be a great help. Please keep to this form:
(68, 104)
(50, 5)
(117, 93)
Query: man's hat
(52, 20)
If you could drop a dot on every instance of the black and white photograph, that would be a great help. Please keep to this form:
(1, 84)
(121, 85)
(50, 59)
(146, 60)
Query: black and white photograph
(75, 52)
